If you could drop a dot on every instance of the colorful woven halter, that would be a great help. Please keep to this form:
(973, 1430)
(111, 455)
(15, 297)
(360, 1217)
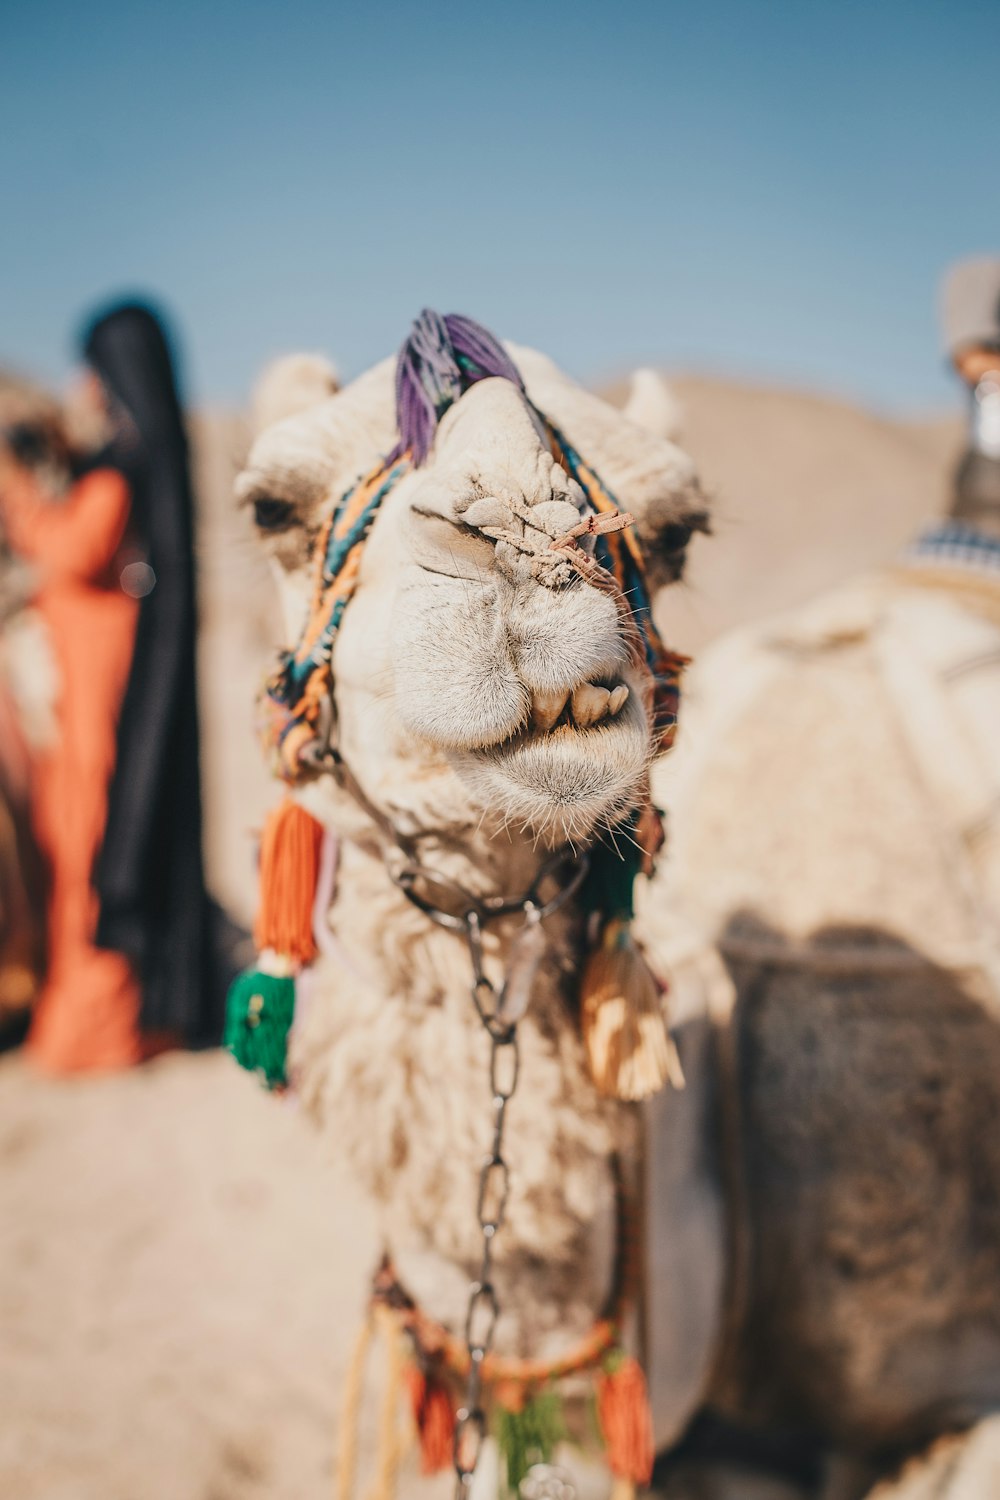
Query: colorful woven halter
(440, 360)
(620, 554)
(296, 693)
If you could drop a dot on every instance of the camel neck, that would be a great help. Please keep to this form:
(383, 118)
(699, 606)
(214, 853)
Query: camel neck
(394, 1018)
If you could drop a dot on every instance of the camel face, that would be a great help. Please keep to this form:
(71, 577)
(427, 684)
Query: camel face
(472, 653)
(505, 661)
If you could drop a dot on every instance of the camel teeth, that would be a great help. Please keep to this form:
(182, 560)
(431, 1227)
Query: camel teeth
(590, 704)
(617, 700)
(546, 708)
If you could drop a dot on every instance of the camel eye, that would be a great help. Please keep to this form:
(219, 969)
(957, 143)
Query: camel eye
(274, 515)
(675, 537)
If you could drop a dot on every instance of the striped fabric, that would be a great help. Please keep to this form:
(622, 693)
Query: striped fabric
(952, 544)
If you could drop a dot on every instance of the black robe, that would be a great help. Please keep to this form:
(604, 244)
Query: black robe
(149, 877)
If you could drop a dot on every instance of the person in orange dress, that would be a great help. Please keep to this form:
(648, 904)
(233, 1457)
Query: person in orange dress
(25, 698)
(116, 800)
(87, 1015)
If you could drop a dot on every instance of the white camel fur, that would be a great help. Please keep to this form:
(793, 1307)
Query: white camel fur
(452, 664)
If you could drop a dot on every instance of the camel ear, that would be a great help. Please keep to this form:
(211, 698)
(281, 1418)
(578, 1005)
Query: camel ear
(291, 384)
(652, 405)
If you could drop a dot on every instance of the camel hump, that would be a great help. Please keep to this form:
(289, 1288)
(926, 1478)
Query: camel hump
(940, 664)
(836, 765)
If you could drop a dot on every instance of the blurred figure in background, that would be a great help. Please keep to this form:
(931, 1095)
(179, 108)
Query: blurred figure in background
(117, 801)
(972, 332)
(27, 694)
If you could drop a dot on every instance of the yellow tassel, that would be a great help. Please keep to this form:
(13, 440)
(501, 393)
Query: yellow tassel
(347, 1449)
(391, 1441)
(623, 1489)
(630, 1052)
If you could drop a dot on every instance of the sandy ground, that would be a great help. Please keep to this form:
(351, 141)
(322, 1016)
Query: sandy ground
(181, 1267)
(182, 1274)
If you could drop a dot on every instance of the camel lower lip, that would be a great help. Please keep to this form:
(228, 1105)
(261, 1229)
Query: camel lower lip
(564, 781)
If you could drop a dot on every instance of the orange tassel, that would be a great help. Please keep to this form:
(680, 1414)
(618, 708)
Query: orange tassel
(626, 1423)
(289, 870)
(434, 1417)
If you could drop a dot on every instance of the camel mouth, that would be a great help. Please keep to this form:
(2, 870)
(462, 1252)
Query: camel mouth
(590, 704)
(561, 776)
(595, 741)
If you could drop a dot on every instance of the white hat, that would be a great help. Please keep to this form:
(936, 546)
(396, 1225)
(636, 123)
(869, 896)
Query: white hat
(970, 303)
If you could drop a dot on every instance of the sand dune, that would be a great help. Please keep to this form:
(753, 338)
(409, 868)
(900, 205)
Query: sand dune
(806, 491)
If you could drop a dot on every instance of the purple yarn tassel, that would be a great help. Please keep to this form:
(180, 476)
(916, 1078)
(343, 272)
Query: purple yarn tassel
(440, 359)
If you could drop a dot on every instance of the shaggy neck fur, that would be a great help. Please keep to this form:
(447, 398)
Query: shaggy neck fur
(395, 1062)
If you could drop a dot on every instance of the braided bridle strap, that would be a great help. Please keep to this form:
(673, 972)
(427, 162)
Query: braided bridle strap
(435, 1344)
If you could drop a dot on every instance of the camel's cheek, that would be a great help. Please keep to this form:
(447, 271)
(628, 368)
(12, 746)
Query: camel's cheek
(469, 654)
(456, 680)
(293, 587)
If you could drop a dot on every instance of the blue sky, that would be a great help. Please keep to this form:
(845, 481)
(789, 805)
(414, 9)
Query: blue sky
(767, 190)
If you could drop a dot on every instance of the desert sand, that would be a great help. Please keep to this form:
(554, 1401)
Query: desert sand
(182, 1261)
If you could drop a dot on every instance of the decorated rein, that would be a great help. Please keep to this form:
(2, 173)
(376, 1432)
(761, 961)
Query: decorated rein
(296, 694)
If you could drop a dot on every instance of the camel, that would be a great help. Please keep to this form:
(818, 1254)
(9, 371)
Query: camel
(797, 1310)
(833, 887)
(489, 717)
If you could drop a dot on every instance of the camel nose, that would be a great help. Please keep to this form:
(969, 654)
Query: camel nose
(522, 535)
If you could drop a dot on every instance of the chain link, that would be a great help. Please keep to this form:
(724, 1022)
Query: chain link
(494, 1186)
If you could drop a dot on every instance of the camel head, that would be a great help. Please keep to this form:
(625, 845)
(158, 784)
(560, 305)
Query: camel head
(481, 674)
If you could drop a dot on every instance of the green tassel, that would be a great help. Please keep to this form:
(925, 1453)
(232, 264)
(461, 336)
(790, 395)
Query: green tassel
(615, 862)
(259, 1011)
(529, 1436)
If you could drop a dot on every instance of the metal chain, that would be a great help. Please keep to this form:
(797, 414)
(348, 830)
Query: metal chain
(499, 1011)
(483, 1310)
